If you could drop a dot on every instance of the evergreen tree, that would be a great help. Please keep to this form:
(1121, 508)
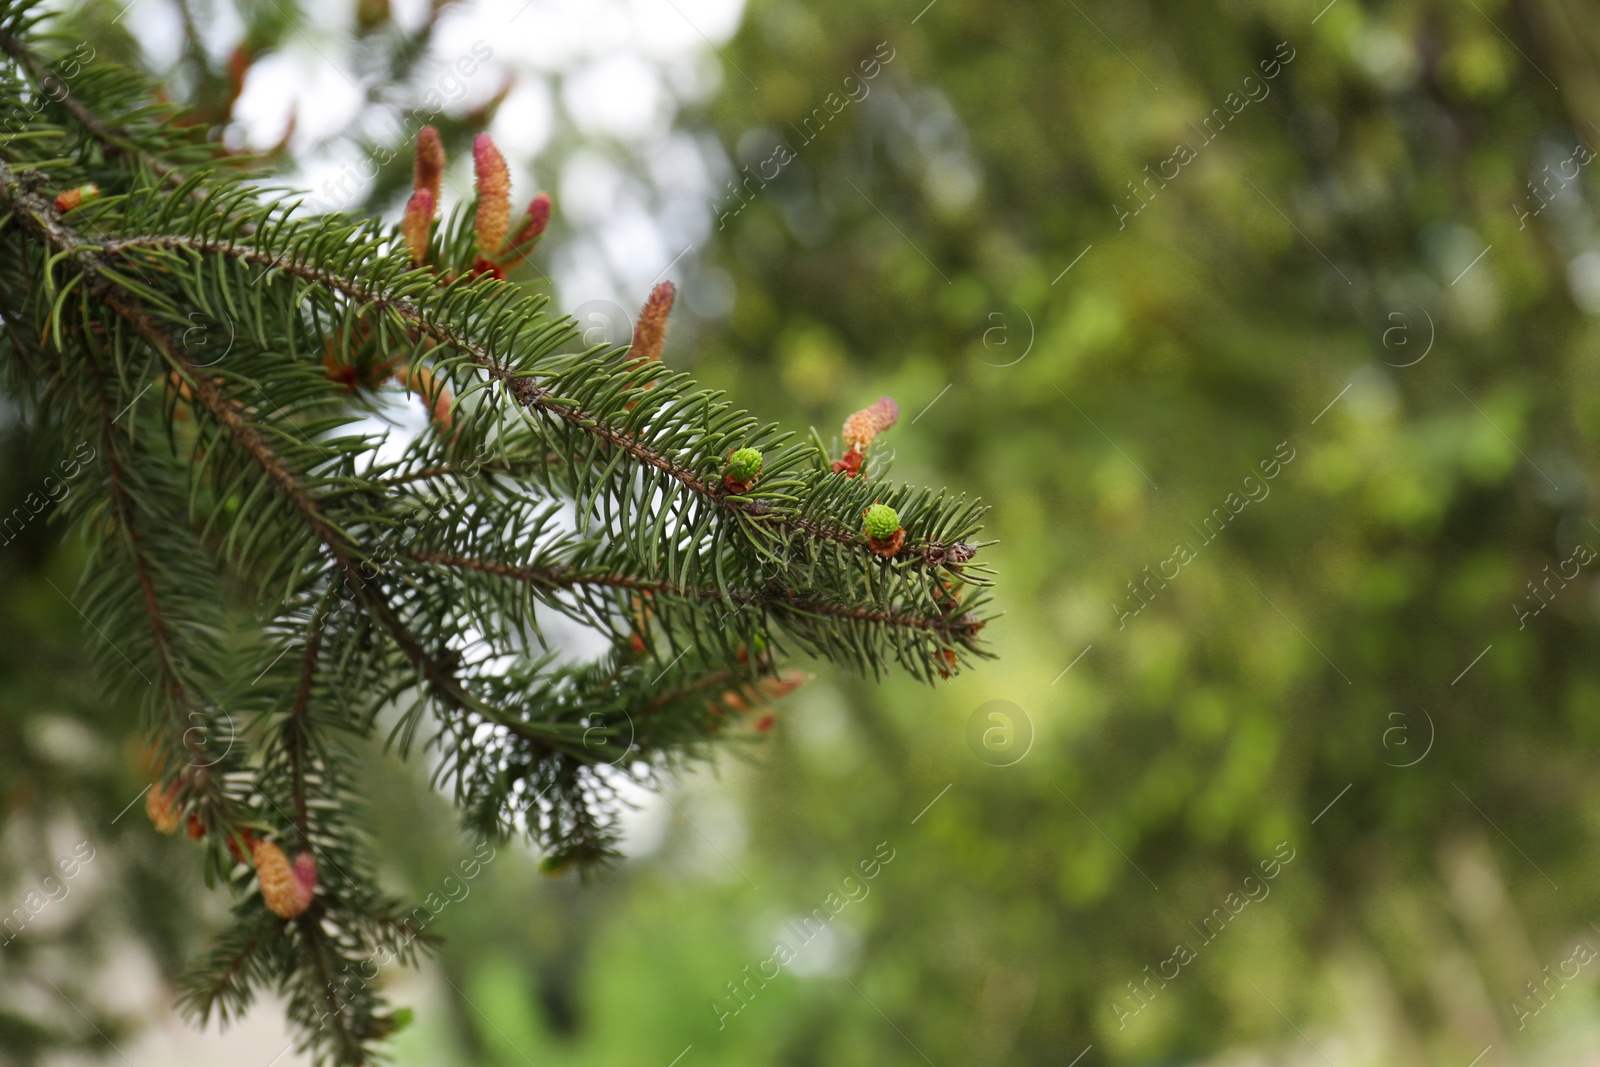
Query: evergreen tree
(271, 579)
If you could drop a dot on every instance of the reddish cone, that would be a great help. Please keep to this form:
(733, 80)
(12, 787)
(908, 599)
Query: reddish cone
(494, 194)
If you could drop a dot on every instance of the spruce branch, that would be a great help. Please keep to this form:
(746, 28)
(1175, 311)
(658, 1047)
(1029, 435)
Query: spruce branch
(775, 599)
(924, 552)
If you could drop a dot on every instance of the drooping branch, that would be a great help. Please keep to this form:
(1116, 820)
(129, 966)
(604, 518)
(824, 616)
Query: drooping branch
(122, 507)
(295, 733)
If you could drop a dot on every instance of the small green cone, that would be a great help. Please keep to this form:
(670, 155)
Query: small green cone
(881, 522)
(744, 465)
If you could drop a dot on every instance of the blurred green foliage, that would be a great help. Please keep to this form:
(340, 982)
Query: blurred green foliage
(1350, 666)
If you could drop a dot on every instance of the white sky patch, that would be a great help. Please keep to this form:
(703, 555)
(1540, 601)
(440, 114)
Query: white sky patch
(159, 30)
(645, 817)
(620, 96)
(590, 188)
(526, 120)
(295, 81)
(634, 246)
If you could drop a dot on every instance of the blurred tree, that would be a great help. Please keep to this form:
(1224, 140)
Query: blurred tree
(1115, 257)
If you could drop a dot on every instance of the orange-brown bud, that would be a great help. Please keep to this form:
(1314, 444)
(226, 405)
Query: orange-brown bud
(783, 685)
(852, 463)
(650, 332)
(485, 265)
(239, 62)
(161, 804)
(424, 382)
(235, 851)
(72, 198)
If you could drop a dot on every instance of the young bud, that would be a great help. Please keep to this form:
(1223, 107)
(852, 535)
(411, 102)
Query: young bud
(881, 521)
(494, 194)
(744, 467)
(72, 198)
(852, 463)
(884, 533)
(416, 224)
(429, 170)
(650, 332)
(534, 223)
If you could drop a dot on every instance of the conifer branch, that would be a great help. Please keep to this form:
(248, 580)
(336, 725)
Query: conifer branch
(295, 728)
(60, 237)
(123, 509)
(530, 394)
(775, 599)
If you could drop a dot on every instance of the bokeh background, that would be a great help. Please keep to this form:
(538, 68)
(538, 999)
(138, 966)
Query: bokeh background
(1324, 274)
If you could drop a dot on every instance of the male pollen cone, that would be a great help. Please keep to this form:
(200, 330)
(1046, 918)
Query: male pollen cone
(160, 804)
(869, 422)
(650, 332)
(416, 223)
(494, 194)
(285, 889)
(429, 170)
(535, 221)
